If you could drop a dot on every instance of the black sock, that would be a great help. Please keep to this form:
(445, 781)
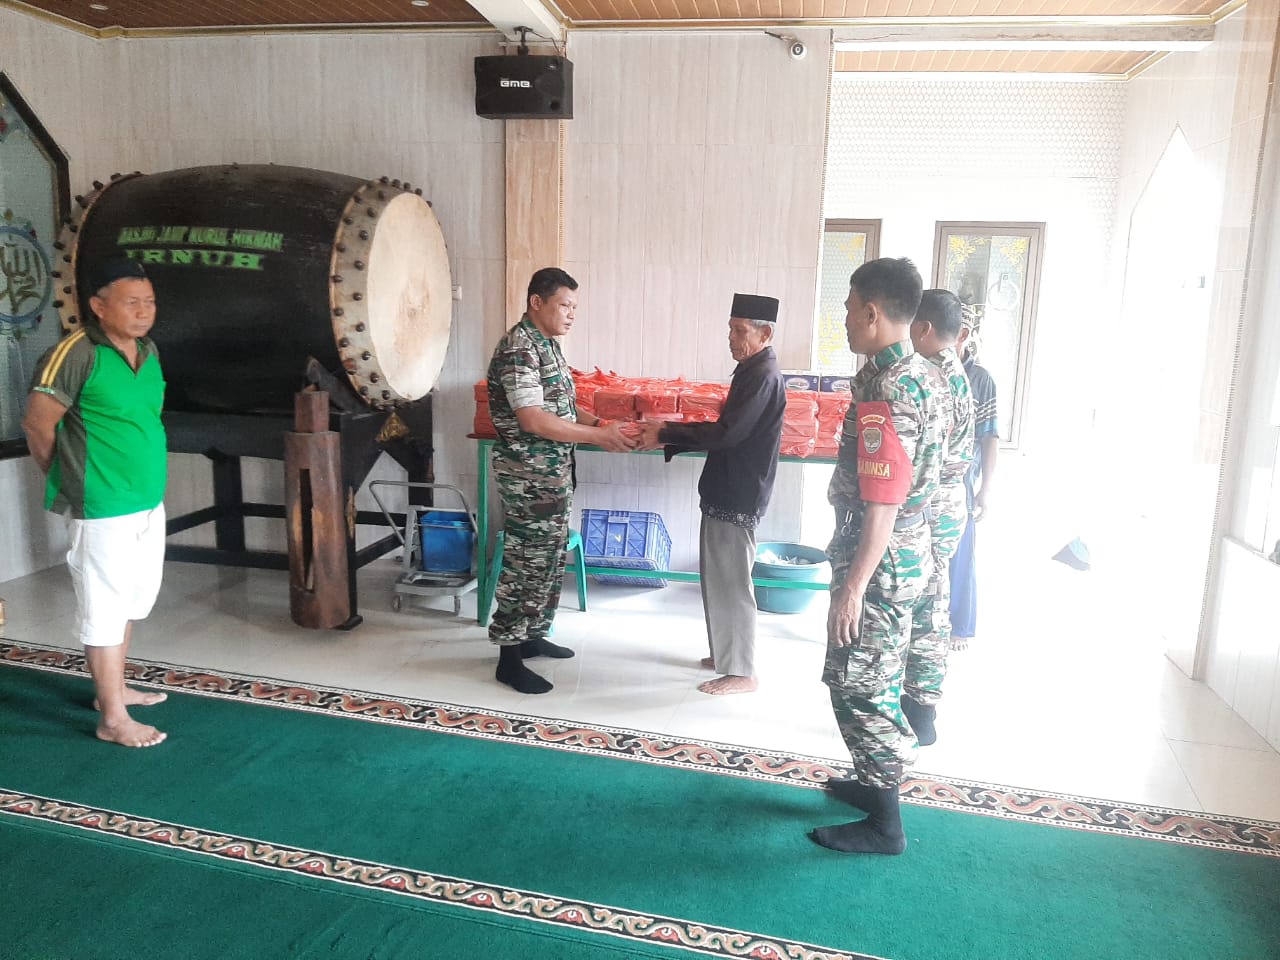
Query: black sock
(881, 832)
(921, 718)
(512, 671)
(542, 647)
(855, 793)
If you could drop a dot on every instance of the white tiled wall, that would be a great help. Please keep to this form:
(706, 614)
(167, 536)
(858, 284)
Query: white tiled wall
(52, 69)
(912, 152)
(360, 104)
(1245, 667)
(693, 171)
(1241, 659)
(1191, 96)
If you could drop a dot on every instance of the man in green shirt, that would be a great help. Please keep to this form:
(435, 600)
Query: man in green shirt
(93, 427)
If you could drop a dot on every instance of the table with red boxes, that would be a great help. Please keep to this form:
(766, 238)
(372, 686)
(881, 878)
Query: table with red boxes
(811, 429)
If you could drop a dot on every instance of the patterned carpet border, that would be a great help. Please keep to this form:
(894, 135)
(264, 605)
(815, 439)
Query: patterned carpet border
(986, 799)
(423, 887)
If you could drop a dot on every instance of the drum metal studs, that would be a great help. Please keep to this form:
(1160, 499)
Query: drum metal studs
(336, 278)
(353, 258)
(97, 184)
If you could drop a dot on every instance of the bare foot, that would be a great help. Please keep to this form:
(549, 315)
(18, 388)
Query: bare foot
(130, 733)
(708, 662)
(729, 684)
(137, 698)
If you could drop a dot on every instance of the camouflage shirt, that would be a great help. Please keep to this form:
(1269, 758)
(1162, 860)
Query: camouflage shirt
(955, 462)
(529, 370)
(915, 392)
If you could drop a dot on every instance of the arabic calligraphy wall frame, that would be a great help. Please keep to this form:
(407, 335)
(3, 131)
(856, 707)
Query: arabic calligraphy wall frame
(35, 197)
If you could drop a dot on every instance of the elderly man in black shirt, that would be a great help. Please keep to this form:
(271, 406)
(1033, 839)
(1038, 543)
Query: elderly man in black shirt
(742, 458)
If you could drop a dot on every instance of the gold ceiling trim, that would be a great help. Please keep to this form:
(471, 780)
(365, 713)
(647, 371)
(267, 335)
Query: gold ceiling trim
(1227, 9)
(56, 19)
(104, 33)
(1003, 76)
(1205, 20)
(157, 33)
(1146, 64)
(114, 32)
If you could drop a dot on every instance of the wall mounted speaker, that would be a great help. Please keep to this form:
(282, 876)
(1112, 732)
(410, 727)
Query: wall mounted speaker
(524, 87)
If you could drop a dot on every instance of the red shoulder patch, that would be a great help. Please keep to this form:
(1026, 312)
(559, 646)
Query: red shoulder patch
(884, 469)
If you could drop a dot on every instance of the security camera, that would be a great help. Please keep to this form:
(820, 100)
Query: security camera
(795, 48)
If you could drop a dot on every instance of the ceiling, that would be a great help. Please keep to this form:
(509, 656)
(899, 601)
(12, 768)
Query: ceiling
(1080, 38)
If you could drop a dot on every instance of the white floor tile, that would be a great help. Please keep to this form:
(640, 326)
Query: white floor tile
(1050, 696)
(1232, 781)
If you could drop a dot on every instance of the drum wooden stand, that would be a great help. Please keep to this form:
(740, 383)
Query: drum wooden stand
(362, 436)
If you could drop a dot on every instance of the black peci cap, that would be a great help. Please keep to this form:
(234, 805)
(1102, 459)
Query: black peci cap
(748, 306)
(106, 272)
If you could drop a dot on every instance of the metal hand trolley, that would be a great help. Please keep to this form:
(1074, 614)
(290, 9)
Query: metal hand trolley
(414, 580)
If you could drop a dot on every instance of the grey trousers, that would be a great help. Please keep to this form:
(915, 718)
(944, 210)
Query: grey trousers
(725, 556)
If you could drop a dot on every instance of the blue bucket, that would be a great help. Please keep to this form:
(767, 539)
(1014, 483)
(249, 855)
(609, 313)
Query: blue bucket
(809, 564)
(447, 541)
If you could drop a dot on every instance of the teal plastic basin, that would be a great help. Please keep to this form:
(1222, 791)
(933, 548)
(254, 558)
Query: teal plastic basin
(779, 599)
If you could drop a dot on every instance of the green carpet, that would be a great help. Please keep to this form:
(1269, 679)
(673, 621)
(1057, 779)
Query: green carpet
(596, 833)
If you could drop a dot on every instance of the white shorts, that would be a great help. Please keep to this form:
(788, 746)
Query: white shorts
(116, 564)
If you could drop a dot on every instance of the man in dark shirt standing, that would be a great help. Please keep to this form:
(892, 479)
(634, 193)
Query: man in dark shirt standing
(742, 458)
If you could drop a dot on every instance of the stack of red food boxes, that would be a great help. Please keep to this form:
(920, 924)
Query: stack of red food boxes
(811, 425)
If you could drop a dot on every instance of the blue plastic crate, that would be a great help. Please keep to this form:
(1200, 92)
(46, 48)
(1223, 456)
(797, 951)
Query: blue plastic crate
(626, 540)
(448, 540)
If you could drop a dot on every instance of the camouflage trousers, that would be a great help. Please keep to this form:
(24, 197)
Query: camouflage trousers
(931, 614)
(865, 680)
(534, 537)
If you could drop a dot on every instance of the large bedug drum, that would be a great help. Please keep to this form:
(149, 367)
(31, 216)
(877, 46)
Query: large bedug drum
(259, 267)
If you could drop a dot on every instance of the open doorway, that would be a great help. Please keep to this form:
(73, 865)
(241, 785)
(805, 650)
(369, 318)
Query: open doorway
(1160, 512)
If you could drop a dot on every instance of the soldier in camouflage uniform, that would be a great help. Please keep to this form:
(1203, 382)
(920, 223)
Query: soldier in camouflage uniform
(534, 408)
(887, 474)
(934, 334)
